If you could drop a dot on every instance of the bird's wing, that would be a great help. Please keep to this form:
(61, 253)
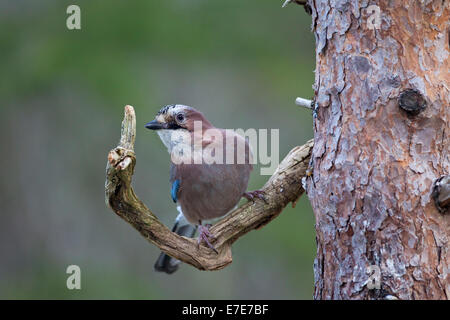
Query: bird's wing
(176, 181)
(174, 190)
(240, 140)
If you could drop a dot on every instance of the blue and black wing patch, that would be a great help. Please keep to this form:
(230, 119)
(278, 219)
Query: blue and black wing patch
(174, 191)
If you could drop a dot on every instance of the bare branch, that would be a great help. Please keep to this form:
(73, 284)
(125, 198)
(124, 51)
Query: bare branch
(284, 186)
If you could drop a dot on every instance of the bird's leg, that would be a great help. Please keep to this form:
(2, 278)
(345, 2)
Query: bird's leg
(250, 195)
(204, 234)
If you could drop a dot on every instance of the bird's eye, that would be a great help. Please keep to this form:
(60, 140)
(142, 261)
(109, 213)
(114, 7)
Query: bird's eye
(180, 117)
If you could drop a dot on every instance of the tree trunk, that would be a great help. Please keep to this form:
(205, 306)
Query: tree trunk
(381, 127)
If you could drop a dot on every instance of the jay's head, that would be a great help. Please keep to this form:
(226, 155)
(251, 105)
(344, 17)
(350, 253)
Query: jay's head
(175, 122)
(177, 117)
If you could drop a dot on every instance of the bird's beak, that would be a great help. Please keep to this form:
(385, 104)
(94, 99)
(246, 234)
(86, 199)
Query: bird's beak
(155, 125)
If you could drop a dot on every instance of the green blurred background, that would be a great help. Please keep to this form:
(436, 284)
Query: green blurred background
(241, 62)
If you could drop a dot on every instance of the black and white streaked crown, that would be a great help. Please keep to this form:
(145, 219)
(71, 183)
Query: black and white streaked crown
(165, 110)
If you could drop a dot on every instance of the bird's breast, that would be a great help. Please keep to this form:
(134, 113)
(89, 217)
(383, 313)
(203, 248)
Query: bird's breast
(211, 191)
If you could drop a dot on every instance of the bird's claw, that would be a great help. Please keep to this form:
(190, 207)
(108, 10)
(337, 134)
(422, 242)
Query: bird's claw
(204, 235)
(250, 195)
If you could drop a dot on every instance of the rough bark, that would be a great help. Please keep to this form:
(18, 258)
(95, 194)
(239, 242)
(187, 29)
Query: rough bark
(374, 161)
(283, 187)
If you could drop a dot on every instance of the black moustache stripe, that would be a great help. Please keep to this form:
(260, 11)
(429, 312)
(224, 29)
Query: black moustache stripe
(174, 126)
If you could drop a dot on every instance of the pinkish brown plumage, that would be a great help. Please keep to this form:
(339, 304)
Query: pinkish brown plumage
(210, 169)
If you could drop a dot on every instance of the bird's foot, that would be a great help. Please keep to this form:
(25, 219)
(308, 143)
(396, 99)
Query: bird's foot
(250, 195)
(204, 235)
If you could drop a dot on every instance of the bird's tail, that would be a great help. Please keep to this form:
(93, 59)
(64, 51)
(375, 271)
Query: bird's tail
(181, 227)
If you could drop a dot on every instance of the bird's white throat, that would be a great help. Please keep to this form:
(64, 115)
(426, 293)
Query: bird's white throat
(181, 147)
(175, 138)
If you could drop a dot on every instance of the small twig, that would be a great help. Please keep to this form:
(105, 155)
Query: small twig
(303, 3)
(283, 187)
(300, 2)
(441, 194)
(304, 103)
(286, 3)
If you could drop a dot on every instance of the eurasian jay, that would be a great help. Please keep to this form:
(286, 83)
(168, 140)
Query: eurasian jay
(209, 172)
